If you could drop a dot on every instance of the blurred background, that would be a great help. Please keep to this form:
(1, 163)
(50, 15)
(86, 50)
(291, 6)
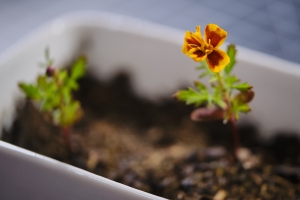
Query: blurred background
(270, 26)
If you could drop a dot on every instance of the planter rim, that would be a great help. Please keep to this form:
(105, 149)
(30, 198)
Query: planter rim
(43, 161)
(122, 23)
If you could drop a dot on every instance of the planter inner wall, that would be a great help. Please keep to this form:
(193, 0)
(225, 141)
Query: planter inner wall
(152, 55)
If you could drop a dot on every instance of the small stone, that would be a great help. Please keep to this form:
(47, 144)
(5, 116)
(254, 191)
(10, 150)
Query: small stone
(287, 170)
(180, 195)
(252, 162)
(167, 181)
(189, 169)
(243, 154)
(188, 182)
(208, 174)
(247, 159)
(203, 166)
(129, 178)
(141, 186)
(92, 160)
(155, 135)
(256, 178)
(215, 152)
(220, 195)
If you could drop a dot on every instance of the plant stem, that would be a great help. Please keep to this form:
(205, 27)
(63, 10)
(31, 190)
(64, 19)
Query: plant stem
(232, 121)
(236, 136)
(67, 136)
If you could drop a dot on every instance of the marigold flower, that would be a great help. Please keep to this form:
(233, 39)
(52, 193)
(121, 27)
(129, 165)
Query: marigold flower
(199, 49)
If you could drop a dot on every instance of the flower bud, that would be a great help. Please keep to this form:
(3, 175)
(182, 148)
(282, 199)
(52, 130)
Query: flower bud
(50, 71)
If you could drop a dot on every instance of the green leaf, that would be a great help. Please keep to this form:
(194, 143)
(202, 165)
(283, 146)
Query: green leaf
(46, 105)
(72, 84)
(231, 52)
(242, 87)
(190, 96)
(204, 63)
(201, 67)
(70, 113)
(213, 79)
(31, 91)
(222, 104)
(49, 101)
(204, 74)
(66, 93)
(201, 87)
(245, 108)
(230, 80)
(236, 115)
(42, 82)
(56, 114)
(62, 75)
(78, 69)
(54, 93)
(49, 61)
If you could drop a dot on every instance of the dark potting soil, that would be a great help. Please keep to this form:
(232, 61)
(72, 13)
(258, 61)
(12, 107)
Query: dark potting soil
(155, 147)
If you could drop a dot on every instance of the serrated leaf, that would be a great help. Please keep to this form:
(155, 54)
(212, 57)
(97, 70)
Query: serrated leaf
(201, 67)
(190, 96)
(204, 74)
(226, 117)
(46, 105)
(231, 52)
(62, 75)
(213, 79)
(49, 61)
(31, 91)
(71, 113)
(242, 86)
(236, 115)
(204, 63)
(56, 114)
(245, 108)
(54, 93)
(222, 104)
(49, 102)
(72, 84)
(42, 82)
(210, 100)
(66, 93)
(230, 80)
(78, 69)
(200, 86)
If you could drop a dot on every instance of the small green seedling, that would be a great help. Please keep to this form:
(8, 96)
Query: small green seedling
(227, 96)
(52, 93)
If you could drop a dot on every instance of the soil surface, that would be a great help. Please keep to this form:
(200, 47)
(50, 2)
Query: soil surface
(155, 147)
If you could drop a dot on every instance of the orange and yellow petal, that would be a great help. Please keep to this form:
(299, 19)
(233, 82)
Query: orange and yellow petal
(214, 35)
(198, 33)
(196, 54)
(217, 60)
(192, 40)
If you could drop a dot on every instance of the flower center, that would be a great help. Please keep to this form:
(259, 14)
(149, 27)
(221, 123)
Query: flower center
(208, 48)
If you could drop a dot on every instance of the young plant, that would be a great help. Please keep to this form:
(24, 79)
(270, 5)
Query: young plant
(227, 96)
(52, 93)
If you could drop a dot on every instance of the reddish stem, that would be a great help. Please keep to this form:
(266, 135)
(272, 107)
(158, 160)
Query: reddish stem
(236, 136)
(67, 136)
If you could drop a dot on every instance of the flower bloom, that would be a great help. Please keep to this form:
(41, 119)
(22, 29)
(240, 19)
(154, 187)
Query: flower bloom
(199, 49)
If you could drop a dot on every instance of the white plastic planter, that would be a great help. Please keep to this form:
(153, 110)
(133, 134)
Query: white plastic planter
(152, 54)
